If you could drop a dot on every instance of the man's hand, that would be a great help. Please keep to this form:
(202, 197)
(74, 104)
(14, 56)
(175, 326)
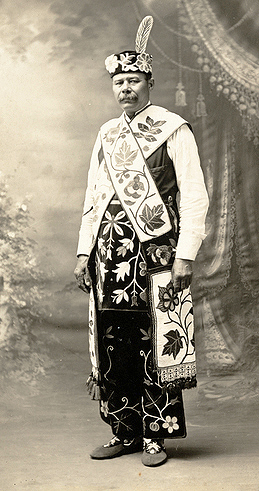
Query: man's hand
(181, 274)
(82, 274)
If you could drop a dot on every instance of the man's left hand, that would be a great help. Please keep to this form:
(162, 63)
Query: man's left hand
(181, 274)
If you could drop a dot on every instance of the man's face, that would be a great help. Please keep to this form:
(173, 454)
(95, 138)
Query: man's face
(131, 91)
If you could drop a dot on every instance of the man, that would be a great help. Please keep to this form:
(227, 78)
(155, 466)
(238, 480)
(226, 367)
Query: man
(135, 253)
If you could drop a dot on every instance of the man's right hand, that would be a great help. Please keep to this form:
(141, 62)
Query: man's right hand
(82, 274)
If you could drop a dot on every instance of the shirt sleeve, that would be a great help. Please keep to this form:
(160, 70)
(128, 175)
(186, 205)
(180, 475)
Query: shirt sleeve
(85, 232)
(193, 207)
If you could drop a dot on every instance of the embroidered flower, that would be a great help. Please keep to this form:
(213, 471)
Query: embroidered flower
(134, 186)
(126, 62)
(109, 252)
(171, 424)
(143, 268)
(160, 254)
(163, 252)
(144, 62)
(111, 63)
(104, 408)
(168, 299)
(123, 269)
(112, 222)
(127, 245)
(111, 134)
(134, 300)
(101, 246)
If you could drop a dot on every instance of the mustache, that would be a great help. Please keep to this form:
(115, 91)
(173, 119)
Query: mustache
(128, 97)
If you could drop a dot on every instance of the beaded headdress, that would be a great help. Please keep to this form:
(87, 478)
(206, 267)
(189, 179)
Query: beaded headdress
(133, 61)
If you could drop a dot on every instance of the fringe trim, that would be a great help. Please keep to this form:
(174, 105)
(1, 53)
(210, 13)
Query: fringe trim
(93, 388)
(180, 384)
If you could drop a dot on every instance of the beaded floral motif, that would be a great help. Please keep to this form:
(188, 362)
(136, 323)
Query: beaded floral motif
(149, 129)
(111, 63)
(136, 188)
(120, 253)
(180, 337)
(129, 62)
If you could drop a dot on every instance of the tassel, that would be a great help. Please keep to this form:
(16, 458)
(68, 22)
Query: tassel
(93, 388)
(180, 96)
(92, 393)
(90, 387)
(90, 378)
(201, 106)
(143, 34)
(97, 394)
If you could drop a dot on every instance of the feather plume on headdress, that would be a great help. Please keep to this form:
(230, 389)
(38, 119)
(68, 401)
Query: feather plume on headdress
(143, 34)
(133, 61)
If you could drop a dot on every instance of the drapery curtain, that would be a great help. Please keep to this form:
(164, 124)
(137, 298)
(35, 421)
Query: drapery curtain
(227, 284)
(212, 59)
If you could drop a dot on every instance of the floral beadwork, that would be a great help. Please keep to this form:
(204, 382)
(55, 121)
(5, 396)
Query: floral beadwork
(112, 134)
(129, 62)
(178, 311)
(144, 60)
(120, 263)
(111, 63)
(171, 424)
(126, 62)
(161, 254)
(168, 299)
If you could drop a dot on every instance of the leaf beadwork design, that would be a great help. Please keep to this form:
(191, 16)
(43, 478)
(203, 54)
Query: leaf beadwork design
(174, 343)
(152, 216)
(125, 156)
(149, 129)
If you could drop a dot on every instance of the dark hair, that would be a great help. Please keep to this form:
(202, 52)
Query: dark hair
(148, 75)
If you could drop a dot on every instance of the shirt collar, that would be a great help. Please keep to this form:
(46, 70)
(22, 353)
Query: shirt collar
(128, 119)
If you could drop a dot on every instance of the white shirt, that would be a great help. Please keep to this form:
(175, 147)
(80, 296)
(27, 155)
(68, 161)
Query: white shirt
(193, 202)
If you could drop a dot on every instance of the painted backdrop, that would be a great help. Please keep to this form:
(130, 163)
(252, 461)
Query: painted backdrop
(55, 94)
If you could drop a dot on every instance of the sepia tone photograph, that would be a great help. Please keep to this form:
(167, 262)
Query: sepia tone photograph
(129, 245)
